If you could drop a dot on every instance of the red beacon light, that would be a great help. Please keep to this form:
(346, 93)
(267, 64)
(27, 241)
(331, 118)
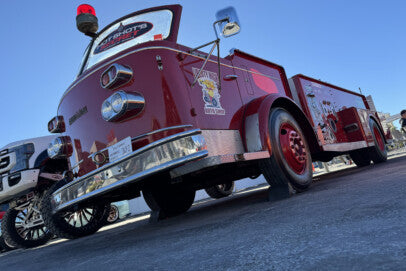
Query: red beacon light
(86, 20)
(86, 9)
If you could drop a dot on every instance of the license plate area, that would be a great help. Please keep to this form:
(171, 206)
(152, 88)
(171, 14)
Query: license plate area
(120, 149)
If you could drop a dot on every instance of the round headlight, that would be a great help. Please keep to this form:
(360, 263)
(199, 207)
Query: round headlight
(117, 102)
(107, 110)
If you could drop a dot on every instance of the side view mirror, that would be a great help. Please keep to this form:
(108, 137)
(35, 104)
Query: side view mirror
(227, 22)
(86, 20)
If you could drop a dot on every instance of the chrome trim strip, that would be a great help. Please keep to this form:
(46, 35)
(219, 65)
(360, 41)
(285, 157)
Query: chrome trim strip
(133, 178)
(145, 135)
(217, 160)
(341, 147)
(161, 130)
(134, 153)
(78, 163)
(152, 48)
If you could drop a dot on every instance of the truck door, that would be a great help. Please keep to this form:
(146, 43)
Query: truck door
(214, 105)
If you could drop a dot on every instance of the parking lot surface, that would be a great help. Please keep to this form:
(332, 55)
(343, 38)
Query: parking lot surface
(354, 219)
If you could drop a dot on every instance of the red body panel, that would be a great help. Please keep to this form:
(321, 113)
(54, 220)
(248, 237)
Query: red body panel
(330, 109)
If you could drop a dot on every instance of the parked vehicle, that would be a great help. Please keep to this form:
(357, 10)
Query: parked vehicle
(118, 210)
(27, 174)
(219, 191)
(148, 114)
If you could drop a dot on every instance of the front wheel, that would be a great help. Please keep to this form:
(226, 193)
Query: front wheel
(76, 223)
(168, 199)
(361, 157)
(290, 161)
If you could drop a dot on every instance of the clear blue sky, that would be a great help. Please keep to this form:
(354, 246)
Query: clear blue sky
(348, 43)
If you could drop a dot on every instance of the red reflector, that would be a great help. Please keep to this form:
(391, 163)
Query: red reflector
(158, 37)
(105, 79)
(112, 72)
(51, 126)
(86, 9)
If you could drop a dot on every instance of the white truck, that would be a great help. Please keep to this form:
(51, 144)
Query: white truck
(26, 173)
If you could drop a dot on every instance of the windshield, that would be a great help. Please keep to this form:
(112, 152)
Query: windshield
(155, 25)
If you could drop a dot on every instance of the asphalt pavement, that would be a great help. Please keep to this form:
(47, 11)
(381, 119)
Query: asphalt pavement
(354, 219)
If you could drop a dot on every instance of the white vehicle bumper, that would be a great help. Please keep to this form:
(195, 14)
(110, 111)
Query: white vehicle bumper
(18, 183)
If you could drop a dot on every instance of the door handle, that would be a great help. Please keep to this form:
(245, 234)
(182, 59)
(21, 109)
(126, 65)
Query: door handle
(230, 77)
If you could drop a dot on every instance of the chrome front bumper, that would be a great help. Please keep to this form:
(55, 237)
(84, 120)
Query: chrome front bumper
(14, 184)
(158, 156)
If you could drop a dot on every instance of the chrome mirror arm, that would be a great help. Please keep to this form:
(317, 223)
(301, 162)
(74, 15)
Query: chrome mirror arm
(216, 43)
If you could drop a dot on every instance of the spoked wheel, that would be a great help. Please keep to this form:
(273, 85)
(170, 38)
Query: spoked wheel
(80, 218)
(378, 153)
(114, 214)
(220, 190)
(169, 200)
(24, 227)
(290, 161)
(73, 224)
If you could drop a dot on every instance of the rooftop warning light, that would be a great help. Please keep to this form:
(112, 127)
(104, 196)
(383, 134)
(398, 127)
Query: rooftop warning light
(85, 8)
(86, 20)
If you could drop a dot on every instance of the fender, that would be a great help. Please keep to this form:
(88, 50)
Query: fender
(256, 122)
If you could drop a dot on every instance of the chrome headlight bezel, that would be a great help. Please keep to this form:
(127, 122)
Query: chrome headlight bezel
(121, 105)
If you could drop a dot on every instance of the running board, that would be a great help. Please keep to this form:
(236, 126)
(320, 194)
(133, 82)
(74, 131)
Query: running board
(217, 160)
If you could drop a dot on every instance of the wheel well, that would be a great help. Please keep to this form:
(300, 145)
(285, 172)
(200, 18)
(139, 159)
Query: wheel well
(55, 165)
(302, 121)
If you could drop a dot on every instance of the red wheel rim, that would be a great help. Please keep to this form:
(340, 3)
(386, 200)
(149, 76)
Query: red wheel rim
(379, 139)
(293, 148)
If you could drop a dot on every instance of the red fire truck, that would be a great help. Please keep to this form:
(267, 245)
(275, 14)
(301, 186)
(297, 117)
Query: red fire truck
(149, 115)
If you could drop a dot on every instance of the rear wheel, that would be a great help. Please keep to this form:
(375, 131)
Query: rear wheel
(220, 190)
(24, 227)
(169, 200)
(361, 157)
(73, 224)
(290, 161)
(378, 153)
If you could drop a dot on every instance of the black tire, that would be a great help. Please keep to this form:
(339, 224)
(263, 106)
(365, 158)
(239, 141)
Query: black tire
(3, 245)
(169, 200)
(361, 157)
(91, 218)
(18, 236)
(378, 153)
(220, 191)
(114, 214)
(284, 130)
